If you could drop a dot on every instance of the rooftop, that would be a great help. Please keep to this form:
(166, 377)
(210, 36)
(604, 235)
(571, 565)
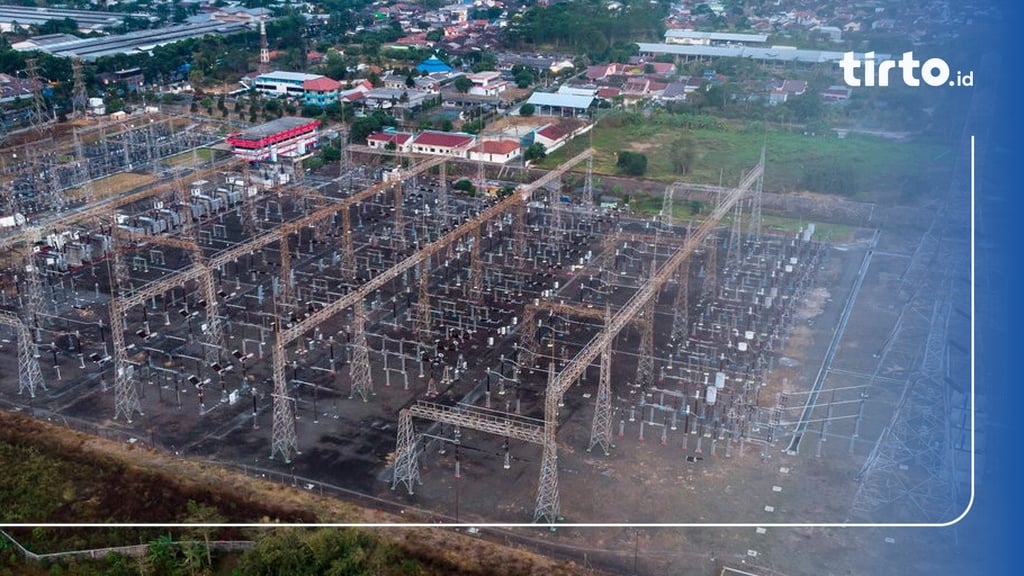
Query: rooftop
(715, 36)
(443, 139)
(133, 42)
(497, 146)
(289, 76)
(322, 84)
(273, 127)
(561, 100)
(773, 53)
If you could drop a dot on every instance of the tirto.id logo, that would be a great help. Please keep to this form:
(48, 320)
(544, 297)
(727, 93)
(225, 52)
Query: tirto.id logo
(933, 71)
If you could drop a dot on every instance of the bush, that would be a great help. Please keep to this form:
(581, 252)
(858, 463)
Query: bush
(632, 163)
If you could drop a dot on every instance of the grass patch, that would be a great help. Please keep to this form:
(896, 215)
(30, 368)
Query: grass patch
(685, 210)
(202, 156)
(113, 185)
(858, 167)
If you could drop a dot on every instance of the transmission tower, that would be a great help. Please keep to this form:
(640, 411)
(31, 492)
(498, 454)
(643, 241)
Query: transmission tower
(407, 469)
(588, 184)
(476, 273)
(359, 370)
(645, 360)
(284, 441)
(348, 251)
(754, 226)
(667, 202)
(708, 288)
(126, 396)
(548, 504)
(286, 284)
(39, 115)
(680, 307)
(29, 376)
(734, 253)
(79, 99)
(34, 301)
(601, 429)
(264, 48)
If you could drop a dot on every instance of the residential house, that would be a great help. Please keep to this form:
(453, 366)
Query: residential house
(443, 143)
(487, 83)
(398, 141)
(495, 151)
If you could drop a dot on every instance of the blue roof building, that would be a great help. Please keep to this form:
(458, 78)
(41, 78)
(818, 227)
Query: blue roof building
(432, 65)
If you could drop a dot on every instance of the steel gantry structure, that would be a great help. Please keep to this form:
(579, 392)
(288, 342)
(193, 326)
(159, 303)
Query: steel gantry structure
(548, 504)
(283, 442)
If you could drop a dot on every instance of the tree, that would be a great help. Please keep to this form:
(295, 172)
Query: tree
(473, 126)
(523, 79)
(465, 186)
(463, 84)
(682, 153)
(203, 514)
(527, 109)
(632, 163)
(806, 107)
(536, 151)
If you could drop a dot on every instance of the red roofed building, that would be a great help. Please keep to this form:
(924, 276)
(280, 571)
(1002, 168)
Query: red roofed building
(497, 151)
(287, 136)
(402, 140)
(320, 91)
(443, 143)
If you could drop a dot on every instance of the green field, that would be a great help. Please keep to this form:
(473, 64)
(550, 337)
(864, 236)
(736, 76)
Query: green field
(860, 168)
(202, 156)
(651, 206)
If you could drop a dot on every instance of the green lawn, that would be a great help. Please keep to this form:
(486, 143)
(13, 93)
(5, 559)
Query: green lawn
(651, 206)
(857, 167)
(202, 155)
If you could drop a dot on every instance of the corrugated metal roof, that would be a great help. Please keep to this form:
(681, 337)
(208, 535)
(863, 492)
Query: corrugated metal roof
(288, 76)
(777, 54)
(716, 36)
(561, 100)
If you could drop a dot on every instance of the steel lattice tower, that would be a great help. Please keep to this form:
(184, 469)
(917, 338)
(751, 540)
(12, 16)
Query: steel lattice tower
(709, 288)
(264, 48)
(126, 396)
(548, 504)
(398, 224)
(286, 290)
(527, 339)
(407, 470)
(79, 98)
(284, 442)
(442, 194)
(34, 303)
(667, 207)
(588, 183)
(423, 325)
(519, 233)
(645, 359)
(476, 273)
(39, 116)
(601, 429)
(680, 306)
(734, 253)
(359, 370)
(29, 376)
(248, 210)
(348, 251)
(754, 226)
